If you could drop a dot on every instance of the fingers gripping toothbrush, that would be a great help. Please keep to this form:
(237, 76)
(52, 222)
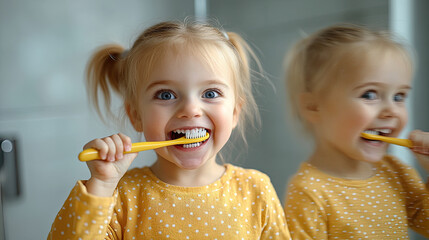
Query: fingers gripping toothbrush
(92, 154)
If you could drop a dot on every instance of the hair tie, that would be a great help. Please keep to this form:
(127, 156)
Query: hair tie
(124, 54)
(225, 34)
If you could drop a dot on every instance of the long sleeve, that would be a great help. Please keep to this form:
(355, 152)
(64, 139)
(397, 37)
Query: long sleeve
(306, 218)
(275, 221)
(417, 201)
(84, 216)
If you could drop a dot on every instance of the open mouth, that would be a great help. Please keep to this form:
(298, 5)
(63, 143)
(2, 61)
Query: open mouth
(377, 131)
(190, 134)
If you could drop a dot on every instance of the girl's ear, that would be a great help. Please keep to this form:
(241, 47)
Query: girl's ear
(236, 114)
(134, 117)
(309, 107)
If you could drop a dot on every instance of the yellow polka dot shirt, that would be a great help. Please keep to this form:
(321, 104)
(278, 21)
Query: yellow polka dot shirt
(319, 206)
(242, 204)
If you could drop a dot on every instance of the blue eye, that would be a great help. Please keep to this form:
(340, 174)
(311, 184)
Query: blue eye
(369, 95)
(165, 95)
(400, 97)
(211, 94)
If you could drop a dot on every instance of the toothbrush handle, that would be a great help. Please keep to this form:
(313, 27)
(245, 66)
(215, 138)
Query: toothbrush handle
(92, 153)
(88, 155)
(398, 141)
(401, 142)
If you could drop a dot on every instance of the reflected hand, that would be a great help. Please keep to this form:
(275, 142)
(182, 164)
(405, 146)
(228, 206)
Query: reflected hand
(420, 147)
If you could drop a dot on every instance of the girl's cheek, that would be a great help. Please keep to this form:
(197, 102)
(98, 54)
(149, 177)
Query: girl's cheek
(357, 121)
(404, 118)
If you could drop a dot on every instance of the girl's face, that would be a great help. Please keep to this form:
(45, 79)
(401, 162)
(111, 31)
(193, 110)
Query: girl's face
(182, 93)
(373, 102)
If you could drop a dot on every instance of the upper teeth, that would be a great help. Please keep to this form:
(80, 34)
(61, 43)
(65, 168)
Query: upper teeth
(378, 131)
(192, 133)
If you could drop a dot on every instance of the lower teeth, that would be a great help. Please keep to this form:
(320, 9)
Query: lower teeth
(192, 145)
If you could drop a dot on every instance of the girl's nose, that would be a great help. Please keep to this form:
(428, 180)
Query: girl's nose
(189, 108)
(390, 109)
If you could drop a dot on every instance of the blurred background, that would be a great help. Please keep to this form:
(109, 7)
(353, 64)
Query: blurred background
(45, 118)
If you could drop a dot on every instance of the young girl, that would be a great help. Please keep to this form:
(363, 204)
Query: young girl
(177, 78)
(344, 80)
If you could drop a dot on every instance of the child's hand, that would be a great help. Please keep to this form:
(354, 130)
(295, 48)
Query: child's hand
(420, 148)
(106, 172)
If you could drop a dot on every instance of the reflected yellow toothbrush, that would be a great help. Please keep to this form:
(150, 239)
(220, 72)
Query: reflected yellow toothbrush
(92, 154)
(397, 141)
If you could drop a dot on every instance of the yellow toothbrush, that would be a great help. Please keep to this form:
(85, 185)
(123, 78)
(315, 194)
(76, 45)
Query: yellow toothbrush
(397, 141)
(92, 154)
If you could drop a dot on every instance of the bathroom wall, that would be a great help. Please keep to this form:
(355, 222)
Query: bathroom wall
(420, 43)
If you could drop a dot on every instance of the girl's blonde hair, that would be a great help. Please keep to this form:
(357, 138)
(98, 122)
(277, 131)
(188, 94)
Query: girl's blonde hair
(336, 53)
(125, 71)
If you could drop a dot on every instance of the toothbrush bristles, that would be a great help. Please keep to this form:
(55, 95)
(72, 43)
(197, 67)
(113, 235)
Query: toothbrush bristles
(195, 133)
(371, 132)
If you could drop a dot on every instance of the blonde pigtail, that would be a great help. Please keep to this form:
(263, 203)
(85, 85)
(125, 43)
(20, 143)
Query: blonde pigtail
(249, 108)
(295, 74)
(104, 72)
